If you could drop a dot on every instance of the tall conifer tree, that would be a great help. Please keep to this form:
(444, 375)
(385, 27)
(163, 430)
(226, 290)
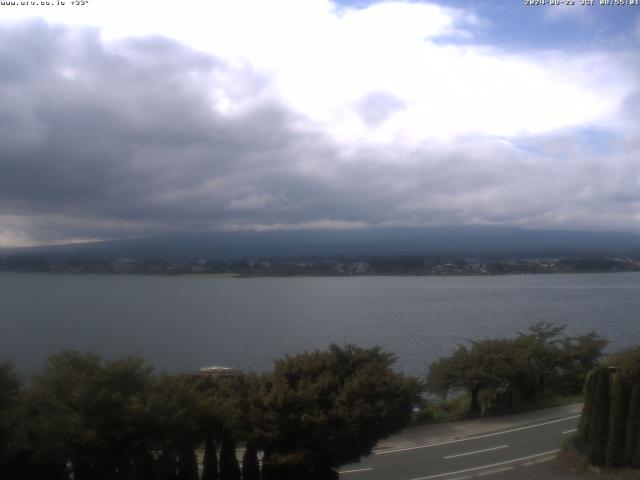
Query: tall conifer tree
(210, 463)
(187, 465)
(587, 410)
(618, 421)
(633, 425)
(229, 467)
(599, 432)
(250, 465)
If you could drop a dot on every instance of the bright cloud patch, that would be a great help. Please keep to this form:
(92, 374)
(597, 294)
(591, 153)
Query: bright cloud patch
(324, 60)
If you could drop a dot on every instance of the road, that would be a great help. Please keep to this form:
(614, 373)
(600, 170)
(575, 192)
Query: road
(517, 446)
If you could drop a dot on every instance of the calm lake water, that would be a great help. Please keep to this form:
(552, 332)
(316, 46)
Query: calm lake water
(183, 323)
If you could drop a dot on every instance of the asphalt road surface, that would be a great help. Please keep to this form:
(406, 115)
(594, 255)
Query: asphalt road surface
(519, 446)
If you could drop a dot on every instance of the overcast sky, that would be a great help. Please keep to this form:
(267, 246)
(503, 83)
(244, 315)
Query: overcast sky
(123, 118)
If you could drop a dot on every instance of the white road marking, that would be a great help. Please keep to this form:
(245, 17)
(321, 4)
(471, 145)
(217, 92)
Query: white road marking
(570, 431)
(486, 435)
(497, 470)
(477, 451)
(540, 460)
(356, 470)
(486, 466)
(466, 477)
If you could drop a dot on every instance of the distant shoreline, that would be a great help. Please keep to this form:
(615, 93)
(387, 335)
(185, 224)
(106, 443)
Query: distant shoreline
(204, 275)
(336, 266)
(223, 276)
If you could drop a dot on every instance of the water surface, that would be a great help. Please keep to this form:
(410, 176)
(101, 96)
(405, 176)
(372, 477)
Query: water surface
(182, 323)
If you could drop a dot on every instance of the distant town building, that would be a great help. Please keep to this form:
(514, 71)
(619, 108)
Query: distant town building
(217, 372)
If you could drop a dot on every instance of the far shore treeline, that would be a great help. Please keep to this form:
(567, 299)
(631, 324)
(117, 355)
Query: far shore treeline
(340, 265)
(102, 419)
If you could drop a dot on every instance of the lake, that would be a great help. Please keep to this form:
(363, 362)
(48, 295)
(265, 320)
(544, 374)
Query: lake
(183, 323)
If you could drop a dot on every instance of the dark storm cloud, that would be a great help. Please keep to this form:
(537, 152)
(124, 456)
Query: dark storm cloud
(129, 134)
(121, 133)
(101, 140)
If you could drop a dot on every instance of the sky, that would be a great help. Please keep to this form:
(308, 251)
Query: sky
(127, 118)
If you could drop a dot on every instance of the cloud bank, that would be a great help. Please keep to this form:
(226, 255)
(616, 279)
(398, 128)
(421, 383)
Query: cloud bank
(204, 117)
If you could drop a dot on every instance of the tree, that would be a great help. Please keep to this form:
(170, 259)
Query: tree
(323, 409)
(618, 417)
(579, 356)
(457, 372)
(598, 435)
(627, 363)
(90, 412)
(250, 465)
(636, 458)
(490, 365)
(633, 426)
(210, 462)
(229, 468)
(167, 465)
(540, 345)
(610, 425)
(584, 426)
(269, 470)
(174, 411)
(537, 363)
(10, 384)
(187, 464)
(18, 459)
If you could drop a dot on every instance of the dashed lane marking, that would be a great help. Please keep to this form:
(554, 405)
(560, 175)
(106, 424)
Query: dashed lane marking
(486, 435)
(540, 460)
(506, 462)
(493, 472)
(477, 451)
(570, 431)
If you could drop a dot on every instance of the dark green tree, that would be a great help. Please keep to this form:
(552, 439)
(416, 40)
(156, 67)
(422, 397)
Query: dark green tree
(540, 346)
(458, 372)
(174, 410)
(229, 467)
(187, 464)
(584, 426)
(250, 464)
(618, 417)
(627, 362)
(167, 465)
(579, 355)
(538, 363)
(10, 384)
(269, 469)
(599, 431)
(636, 458)
(633, 426)
(24, 465)
(489, 366)
(90, 412)
(324, 409)
(210, 462)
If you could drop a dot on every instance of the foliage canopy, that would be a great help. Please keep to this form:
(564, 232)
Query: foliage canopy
(327, 408)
